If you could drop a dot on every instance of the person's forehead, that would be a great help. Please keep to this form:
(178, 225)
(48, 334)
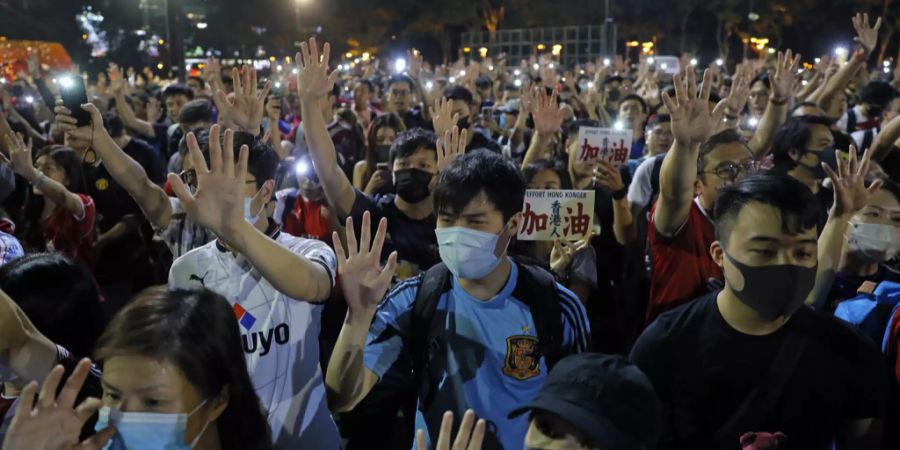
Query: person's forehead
(381, 131)
(758, 219)
(820, 132)
(631, 102)
(884, 200)
(135, 372)
(421, 154)
(759, 86)
(546, 175)
(400, 86)
(480, 204)
(731, 152)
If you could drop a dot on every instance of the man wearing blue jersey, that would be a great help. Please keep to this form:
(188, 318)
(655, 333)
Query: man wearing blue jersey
(487, 353)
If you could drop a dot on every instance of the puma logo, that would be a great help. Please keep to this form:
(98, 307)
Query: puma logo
(202, 279)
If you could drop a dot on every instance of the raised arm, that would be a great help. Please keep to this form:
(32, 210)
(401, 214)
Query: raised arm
(692, 123)
(314, 83)
(850, 196)
(884, 142)
(218, 204)
(22, 348)
(548, 118)
(21, 162)
(364, 283)
(245, 111)
(867, 38)
(131, 121)
(126, 171)
(784, 85)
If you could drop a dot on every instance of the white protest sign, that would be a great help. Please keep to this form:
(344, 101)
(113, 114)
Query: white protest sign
(552, 214)
(608, 144)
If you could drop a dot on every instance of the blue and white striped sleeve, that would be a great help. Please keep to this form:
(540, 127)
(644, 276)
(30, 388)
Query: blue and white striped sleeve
(576, 329)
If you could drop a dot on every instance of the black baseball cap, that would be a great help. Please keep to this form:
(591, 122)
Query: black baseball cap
(609, 400)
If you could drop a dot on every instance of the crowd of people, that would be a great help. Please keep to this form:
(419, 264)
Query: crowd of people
(321, 257)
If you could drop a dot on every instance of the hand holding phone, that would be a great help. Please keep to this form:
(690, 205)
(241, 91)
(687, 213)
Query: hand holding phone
(73, 93)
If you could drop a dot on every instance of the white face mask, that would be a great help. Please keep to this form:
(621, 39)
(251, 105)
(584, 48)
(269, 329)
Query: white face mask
(874, 243)
(248, 214)
(146, 431)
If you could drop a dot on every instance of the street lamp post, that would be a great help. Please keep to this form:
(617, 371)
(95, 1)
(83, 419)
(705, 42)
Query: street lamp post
(174, 38)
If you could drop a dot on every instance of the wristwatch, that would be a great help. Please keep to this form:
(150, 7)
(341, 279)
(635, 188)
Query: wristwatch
(620, 194)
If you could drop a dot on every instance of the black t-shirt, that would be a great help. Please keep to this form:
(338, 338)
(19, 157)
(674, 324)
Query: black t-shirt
(703, 369)
(414, 240)
(148, 158)
(482, 141)
(415, 119)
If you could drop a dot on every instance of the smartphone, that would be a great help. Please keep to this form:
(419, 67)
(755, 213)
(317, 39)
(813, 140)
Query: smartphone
(487, 111)
(383, 166)
(278, 89)
(73, 93)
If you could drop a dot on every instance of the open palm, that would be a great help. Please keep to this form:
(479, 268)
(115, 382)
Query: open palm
(850, 191)
(245, 111)
(692, 120)
(313, 79)
(363, 280)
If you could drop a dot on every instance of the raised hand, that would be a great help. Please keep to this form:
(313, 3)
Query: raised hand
(245, 111)
(313, 79)
(442, 117)
(469, 437)
(154, 110)
(866, 35)
(850, 191)
(415, 63)
(786, 78)
(64, 122)
(363, 280)
(116, 79)
(740, 91)
(212, 71)
(692, 120)
(218, 201)
(451, 146)
(53, 423)
(547, 114)
(526, 100)
(608, 177)
(563, 252)
(19, 155)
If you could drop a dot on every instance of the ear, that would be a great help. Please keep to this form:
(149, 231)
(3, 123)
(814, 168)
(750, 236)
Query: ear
(267, 191)
(219, 404)
(717, 251)
(514, 222)
(697, 184)
(795, 154)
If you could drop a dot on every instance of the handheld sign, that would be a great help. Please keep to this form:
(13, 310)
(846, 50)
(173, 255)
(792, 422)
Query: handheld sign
(608, 144)
(552, 214)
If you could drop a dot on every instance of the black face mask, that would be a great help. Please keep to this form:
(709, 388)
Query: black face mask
(463, 123)
(614, 95)
(412, 184)
(382, 153)
(827, 156)
(774, 291)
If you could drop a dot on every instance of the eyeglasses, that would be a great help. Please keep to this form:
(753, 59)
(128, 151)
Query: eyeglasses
(730, 171)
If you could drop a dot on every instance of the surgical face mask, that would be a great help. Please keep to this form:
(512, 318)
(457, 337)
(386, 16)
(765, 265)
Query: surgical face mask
(383, 153)
(827, 156)
(145, 431)
(875, 243)
(501, 122)
(412, 184)
(773, 291)
(248, 215)
(467, 253)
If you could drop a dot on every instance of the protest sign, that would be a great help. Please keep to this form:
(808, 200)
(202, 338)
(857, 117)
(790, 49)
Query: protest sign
(608, 144)
(552, 214)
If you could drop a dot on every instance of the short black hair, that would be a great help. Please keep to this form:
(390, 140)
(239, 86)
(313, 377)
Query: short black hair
(401, 78)
(763, 78)
(796, 203)
(198, 79)
(476, 172)
(724, 137)
(262, 161)
(178, 89)
(67, 309)
(571, 128)
(484, 82)
(457, 92)
(805, 104)
(195, 112)
(113, 124)
(335, 90)
(794, 134)
(891, 186)
(369, 84)
(878, 93)
(611, 79)
(637, 98)
(409, 141)
(559, 166)
(658, 119)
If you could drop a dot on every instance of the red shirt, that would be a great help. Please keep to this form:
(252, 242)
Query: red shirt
(70, 235)
(682, 265)
(308, 219)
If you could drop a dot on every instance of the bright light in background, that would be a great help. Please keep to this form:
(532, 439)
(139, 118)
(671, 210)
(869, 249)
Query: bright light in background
(663, 66)
(818, 60)
(399, 65)
(452, 80)
(491, 68)
(366, 56)
(551, 65)
(294, 71)
(202, 25)
(66, 82)
(804, 82)
(605, 61)
(279, 67)
(619, 126)
(302, 168)
(840, 52)
(462, 73)
(277, 85)
(693, 61)
(159, 66)
(771, 51)
(518, 82)
(754, 122)
(429, 85)
(886, 63)
(590, 84)
(517, 72)
(887, 70)
(719, 62)
(536, 66)
(651, 60)
(2, 80)
(29, 99)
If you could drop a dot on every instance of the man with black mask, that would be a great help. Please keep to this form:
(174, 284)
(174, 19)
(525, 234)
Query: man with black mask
(751, 357)
(414, 162)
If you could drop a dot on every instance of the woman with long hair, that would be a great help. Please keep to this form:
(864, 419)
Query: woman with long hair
(58, 215)
(173, 376)
(366, 175)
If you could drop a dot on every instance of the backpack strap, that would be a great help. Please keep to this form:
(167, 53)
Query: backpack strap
(422, 338)
(868, 138)
(654, 177)
(537, 289)
(851, 120)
